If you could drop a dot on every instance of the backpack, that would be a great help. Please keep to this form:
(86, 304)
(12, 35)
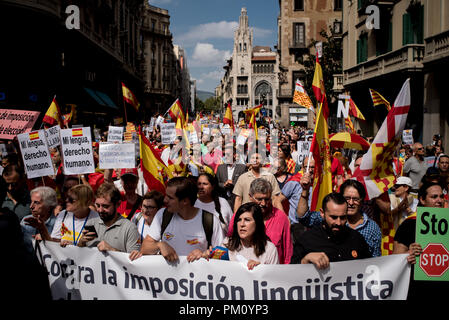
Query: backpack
(208, 224)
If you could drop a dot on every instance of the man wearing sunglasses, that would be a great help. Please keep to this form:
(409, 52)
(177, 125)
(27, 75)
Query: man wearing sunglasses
(415, 167)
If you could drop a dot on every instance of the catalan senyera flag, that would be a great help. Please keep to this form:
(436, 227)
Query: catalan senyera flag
(228, 118)
(349, 125)
(129, 97)
(354, 111)
(175, 112)
(320, 149)
(155, 172)
(301, 97)
(378, 99)
(318, 87)
(53, 114)
(376, 169)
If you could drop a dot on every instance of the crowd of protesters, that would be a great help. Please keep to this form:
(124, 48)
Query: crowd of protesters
(249, 207)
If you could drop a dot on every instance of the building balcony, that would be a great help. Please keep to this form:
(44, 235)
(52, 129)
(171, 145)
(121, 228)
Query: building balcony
(437, 47)
(284, 93)
(408, 58)
(294, 46)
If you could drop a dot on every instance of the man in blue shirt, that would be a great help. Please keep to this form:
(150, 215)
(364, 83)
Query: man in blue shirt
(354, 193)
(42, 218)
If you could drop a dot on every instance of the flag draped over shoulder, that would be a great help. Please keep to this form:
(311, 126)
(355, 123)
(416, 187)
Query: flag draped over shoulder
(301, 97)
(228, 118)
(53, 114)
(379, 100)
(175, 112)
(155, 172)
(376, 169)
(129, 97)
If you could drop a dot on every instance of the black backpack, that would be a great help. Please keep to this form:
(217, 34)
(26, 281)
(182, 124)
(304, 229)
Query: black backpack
(208, 224)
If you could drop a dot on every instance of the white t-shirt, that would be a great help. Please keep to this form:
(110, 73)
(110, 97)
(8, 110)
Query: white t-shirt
(226, 211)
(185, 235)
(143, 228)
(270, 256)
(71, 226)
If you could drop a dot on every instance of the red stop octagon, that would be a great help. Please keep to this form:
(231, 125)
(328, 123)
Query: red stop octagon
(434, 260)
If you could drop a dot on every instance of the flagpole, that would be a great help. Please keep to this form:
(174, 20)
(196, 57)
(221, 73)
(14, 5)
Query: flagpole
(124, 108)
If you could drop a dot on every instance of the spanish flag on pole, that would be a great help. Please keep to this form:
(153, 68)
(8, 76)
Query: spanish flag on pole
(318, 87)
(129, 97)
(175, 112)
(228, 118)
(251, 115)
(53, 114)
(354, 111)
(154, 170)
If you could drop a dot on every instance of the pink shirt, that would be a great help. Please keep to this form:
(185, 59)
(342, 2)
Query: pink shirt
(277, 228)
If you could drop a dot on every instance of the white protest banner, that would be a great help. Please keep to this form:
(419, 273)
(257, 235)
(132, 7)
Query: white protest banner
(35, 154)
(76, 144)
(244, 134)
(168, 132)
(152, 122)
(117, 155)
(159, 121)
(86, 273)
(52, 135)
(407, 136)
(115, 134)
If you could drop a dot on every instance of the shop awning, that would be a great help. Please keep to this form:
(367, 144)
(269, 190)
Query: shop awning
(101, 98)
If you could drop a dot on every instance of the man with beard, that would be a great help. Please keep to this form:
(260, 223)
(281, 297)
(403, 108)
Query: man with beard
(332, 240)
(354, 193)
(112, 232)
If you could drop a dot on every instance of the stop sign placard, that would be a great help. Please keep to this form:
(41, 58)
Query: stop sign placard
(434, 260)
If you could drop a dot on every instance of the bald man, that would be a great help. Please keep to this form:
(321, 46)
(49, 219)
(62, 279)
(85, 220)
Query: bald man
(415, 167)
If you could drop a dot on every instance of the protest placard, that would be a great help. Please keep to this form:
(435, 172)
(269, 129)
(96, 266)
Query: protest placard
(303, 151)
(168, 132)
(35, 154)
(76, 144)
(117, 155)
(14, 122)
(115, 134)
(432, 226)
(52, 135)
(407, 136)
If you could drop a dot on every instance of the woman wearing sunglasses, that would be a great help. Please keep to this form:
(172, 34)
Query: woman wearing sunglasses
(70, 222)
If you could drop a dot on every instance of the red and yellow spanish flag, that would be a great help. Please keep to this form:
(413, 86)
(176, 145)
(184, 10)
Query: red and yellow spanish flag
(228, 118)
(34, 135)
(251, 117)
(155, 172)
(379, 100)
(354, 111)
(318, 87)
(320, 149)
(175, 112)
(129, 97)
(77, 132)
(53, 114)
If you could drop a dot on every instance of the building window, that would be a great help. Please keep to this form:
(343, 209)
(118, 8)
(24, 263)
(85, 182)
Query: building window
(299, 5)
(413, 27)
(338, 5)
(299, 35)
(362, 48)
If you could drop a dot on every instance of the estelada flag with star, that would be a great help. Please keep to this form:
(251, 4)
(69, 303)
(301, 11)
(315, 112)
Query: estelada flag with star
(376, 169)
(129, 97)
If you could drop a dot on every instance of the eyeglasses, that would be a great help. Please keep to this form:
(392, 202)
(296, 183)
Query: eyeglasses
(353, 199)
(69, 199)
(420, 148)
(148, 207)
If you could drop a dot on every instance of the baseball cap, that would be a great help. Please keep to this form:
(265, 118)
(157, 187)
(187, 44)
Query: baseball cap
(132, 171)
(404, 181)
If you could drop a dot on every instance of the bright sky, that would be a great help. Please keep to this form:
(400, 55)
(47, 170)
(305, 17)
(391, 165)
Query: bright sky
(205, 29)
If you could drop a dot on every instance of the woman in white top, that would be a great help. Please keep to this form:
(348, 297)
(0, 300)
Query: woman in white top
(209, 200)
(70, 223)
(402, 203)
(151, 203)
(249, 243)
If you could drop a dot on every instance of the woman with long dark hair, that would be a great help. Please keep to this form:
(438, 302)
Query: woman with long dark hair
(209, 199)
(248, 242)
